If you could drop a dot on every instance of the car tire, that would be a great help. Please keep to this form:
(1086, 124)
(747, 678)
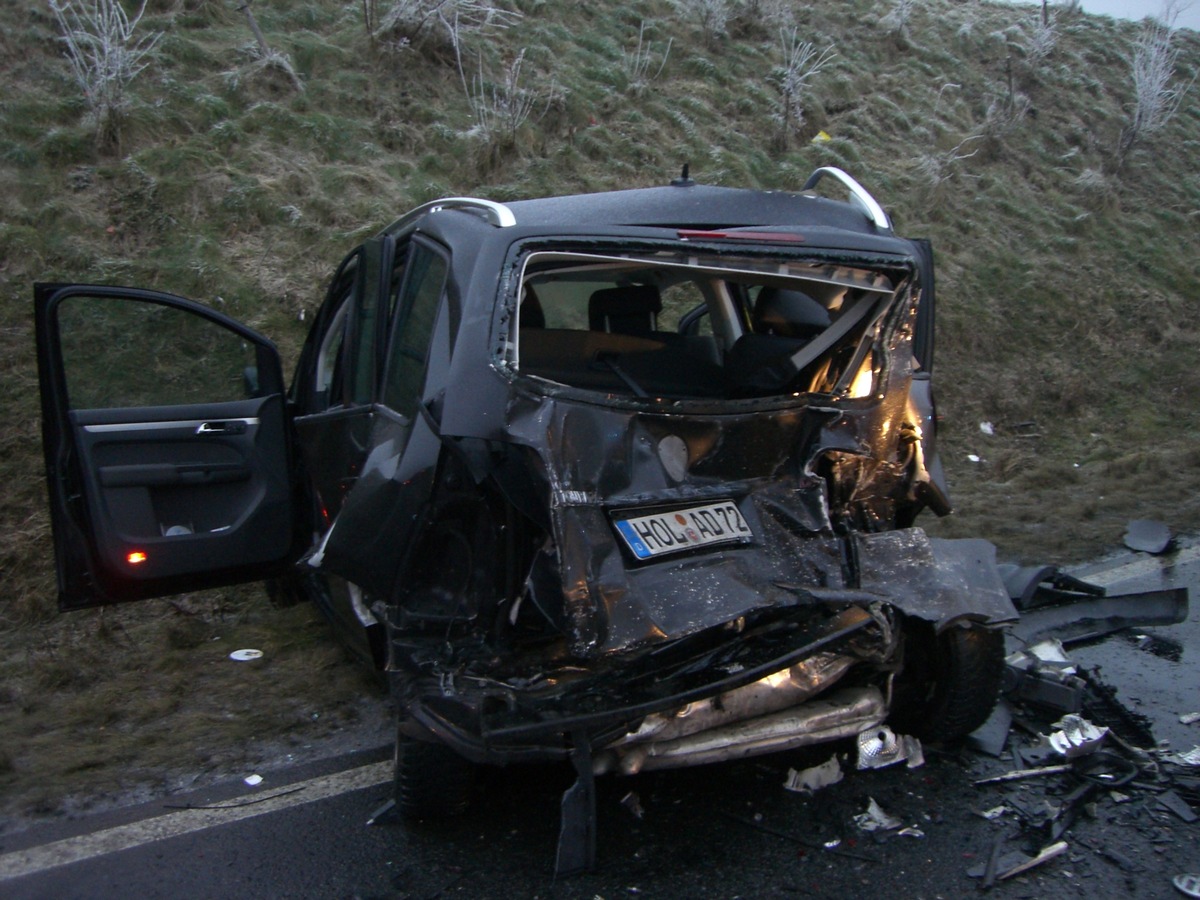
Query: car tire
(431, 781)
(950, 682)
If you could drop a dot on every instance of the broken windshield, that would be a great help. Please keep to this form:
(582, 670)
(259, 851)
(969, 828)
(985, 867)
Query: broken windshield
(668, 325)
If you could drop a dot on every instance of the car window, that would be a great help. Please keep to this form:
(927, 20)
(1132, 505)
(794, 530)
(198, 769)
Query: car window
(153, 355)
(364, 353)
(416, 311)
(700, 327)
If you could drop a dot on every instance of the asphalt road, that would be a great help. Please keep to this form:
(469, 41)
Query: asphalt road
(720, 831)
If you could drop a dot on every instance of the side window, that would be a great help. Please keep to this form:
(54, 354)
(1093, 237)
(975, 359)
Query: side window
(364, 349)
(415, 313)
(329, 371)
(119, 353)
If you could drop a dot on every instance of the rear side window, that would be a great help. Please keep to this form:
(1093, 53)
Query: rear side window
(415, 313)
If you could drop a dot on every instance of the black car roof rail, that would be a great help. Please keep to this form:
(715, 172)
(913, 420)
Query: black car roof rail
(496, 213)
(859, 196)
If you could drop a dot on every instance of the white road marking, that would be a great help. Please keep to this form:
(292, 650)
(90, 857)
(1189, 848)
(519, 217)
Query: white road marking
(187, 821)
(1143, 566)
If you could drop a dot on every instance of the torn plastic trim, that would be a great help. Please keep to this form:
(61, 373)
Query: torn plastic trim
(1093, 617)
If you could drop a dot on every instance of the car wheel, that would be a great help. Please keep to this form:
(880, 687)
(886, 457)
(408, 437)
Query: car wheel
(950, 681)
(431, 781)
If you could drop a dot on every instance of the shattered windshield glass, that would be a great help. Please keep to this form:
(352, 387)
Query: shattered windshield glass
(672, 326)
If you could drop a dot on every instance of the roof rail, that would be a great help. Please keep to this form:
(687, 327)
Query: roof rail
(859, 196)
(496, 213)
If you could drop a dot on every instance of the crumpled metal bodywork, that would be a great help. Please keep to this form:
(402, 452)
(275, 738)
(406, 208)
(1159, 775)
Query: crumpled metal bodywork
(541, 627)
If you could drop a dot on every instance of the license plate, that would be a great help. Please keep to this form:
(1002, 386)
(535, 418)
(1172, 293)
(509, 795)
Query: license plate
(684, 529)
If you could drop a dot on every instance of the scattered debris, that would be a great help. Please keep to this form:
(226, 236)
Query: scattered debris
(633, 803)
(875, 819)
(1148, 536)
(1047, 853)
(1187, 883)
(813, 779)
(881, 747)
(1191, 758)
(245, 655)
(1001, 868)
(1022, 774)
(992, 735)
(1172, 802)
(1076, 737)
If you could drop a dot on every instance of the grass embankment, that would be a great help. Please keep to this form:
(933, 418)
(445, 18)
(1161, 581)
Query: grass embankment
(1065, 287)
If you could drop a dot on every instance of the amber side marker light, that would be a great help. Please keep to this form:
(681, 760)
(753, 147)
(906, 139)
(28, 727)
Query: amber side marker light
(136, 557)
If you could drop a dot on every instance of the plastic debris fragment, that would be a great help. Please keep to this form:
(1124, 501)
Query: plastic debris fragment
(875, 819)
(1077, 736)
(973, 458)
(987, 428)
(813, 779)
(821, 137)
(1189, 718)
(245, 655)
(1148, 536)
(994, 813)
(1172, 802)
(1046, 854)
(1191, 758)
(1187, 883)
(633, 803)
(253, 780)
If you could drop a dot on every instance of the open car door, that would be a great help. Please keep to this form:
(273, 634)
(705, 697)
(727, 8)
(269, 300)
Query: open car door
(168, 446)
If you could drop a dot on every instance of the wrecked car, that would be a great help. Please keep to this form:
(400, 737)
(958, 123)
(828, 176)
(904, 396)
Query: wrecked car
(628, 479)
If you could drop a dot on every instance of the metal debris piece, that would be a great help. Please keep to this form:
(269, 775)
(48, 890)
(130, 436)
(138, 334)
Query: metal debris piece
(813, 779)
(1047, 853)
(1190, 758)
(1051, 652)
(1022, 774)
(875, 819)
(880, 747)
(633, 803)
(1172, 802)
(1187, 883)
(1148, 536)
(1077, 736)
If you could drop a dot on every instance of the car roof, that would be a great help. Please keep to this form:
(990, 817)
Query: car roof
(692, 206)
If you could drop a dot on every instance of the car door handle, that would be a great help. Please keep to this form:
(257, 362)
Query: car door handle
(235, 426)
